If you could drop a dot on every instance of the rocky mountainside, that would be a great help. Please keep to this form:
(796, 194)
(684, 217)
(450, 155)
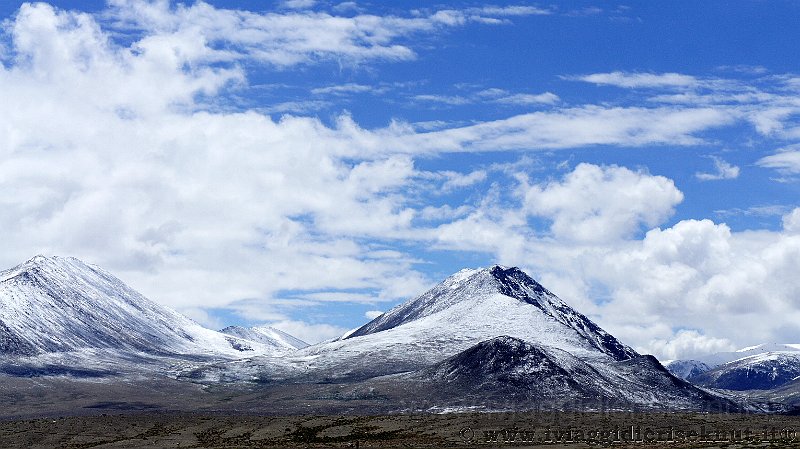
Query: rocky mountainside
(507, 373)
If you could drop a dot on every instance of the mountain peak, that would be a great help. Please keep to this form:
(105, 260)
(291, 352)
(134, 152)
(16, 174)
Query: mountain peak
(41, 260)
(52, 304)
(498, 291)
(47, 263)
(266, 335)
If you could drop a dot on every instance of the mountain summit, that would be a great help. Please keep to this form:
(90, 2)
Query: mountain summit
(61, 304)
(490, 287)
(467, 308)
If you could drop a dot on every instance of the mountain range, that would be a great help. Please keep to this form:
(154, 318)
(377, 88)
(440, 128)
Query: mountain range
(487, 339)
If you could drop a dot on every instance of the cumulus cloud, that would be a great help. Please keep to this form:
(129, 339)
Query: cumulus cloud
(600, 204)
(688, 344)
(109, 154)
(681, 291)
(724, 170)
(699, 275)
(791, 221)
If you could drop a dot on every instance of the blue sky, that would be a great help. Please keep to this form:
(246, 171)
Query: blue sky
(309, 164)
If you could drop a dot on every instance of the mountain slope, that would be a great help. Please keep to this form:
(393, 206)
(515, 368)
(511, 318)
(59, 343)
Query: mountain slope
(479, 287)
(719, 358)
(469, 307)
(60, 304)
(519, 366)
(506, 373)
(756, 372)
(268, 336)
(686, 369)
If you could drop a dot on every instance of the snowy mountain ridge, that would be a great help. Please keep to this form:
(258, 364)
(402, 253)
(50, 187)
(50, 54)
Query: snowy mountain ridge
(267, 335)
(493, 327)
(61, 304)
(480, 288)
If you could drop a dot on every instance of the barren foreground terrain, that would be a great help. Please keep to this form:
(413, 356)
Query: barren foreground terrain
(459, 430)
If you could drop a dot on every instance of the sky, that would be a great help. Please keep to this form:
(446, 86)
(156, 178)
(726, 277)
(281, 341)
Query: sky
(310, 164)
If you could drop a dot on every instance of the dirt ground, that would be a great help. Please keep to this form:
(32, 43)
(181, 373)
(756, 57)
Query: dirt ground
(457, 430)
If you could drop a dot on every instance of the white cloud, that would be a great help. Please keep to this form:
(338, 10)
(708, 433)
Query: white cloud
(528, 99)
(638, 80)
(724, 171)
(309, 332)
(284, 39)
(452, 100)
(732, 289)
(372, 314)
(493, 95)
(791, 221)
(520, 10)
(573, 127)
(299, 4)
(107, 155)
(601, 204)
(454, 180)
(343, 89)
(202, 317)
(738, 287)
(688, 344)
(786, 161)
(346, 6)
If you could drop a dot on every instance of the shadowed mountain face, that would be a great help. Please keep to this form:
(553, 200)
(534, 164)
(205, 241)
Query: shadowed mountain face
(515, 364)
(506, 373)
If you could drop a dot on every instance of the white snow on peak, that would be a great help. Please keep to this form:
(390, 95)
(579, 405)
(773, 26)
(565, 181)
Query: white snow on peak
(268, 336)
(466, 308)
(61, 304)
(720, 358)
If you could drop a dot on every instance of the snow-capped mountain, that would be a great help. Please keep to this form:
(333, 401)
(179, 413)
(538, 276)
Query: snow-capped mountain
(494, 329)
(758, 367)
(506, 373)
(268, 336)
(467, 308)
(486, 289)
(755, 372)
(60, 305)
(686, 369)
(719, 358)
